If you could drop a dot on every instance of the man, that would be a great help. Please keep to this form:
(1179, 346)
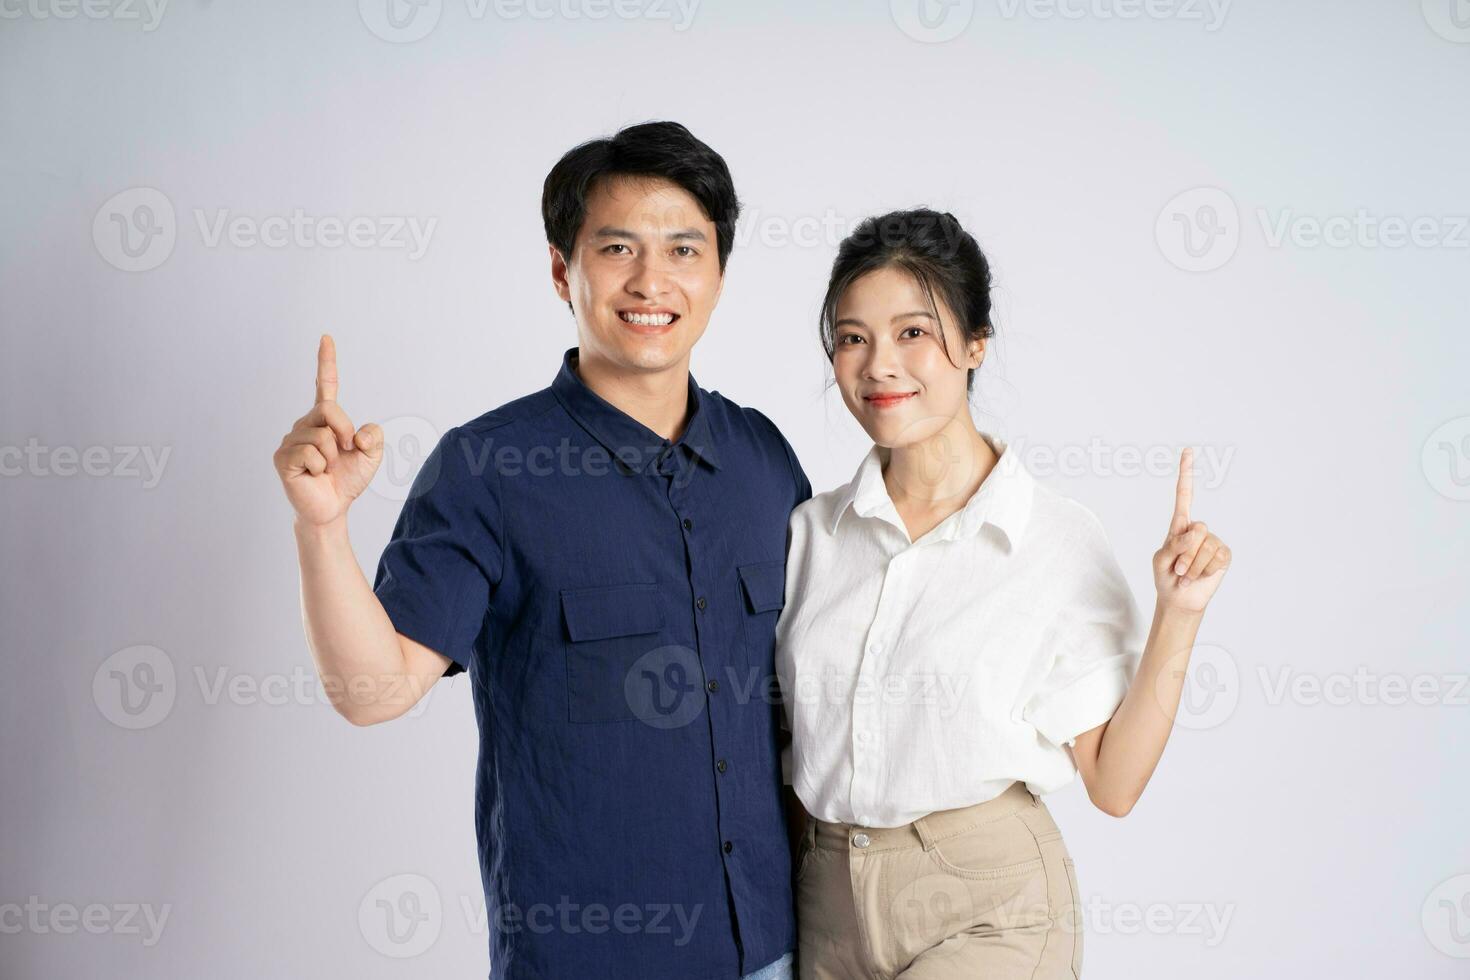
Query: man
(606, 558)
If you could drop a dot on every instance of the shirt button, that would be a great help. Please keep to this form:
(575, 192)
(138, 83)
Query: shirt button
(875, 649)
(721, 766)
(688, 524)
(861, 839)
(713, 686)
(700, 602)
(864, 736)
(729, 847)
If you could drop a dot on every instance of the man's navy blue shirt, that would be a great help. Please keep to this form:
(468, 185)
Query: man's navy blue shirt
(614, 599)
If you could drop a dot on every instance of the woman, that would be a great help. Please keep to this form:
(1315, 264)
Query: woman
(952, 629)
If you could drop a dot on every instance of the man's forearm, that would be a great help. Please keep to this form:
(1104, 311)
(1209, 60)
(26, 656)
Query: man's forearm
(352, 640)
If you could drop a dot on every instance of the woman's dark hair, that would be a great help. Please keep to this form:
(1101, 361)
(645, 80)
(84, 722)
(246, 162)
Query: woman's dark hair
(651, 149)
(936, 251)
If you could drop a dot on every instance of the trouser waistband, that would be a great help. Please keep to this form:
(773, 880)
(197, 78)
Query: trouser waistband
(924, 832)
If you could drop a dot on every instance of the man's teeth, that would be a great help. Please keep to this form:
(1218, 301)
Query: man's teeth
(648, 319)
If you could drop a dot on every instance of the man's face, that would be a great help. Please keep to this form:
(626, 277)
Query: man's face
(644, 275)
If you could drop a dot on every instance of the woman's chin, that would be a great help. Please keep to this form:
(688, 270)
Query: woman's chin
(896, 432)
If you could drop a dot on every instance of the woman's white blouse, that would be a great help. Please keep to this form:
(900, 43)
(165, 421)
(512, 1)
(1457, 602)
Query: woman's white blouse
(928, 675)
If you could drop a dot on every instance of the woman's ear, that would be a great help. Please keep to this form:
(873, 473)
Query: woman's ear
(977, 352)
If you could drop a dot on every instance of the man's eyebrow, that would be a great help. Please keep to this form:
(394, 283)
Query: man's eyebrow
(608, 231)
(682, 235)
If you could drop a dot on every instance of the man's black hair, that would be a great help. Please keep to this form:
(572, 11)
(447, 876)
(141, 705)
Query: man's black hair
(652, 149)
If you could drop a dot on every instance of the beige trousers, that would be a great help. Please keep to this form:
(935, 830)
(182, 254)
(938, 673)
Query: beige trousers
(985, 891)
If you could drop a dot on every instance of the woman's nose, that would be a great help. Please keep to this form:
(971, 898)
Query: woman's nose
(882, 362)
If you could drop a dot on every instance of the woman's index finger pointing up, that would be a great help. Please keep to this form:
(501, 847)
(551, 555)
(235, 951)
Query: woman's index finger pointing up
(1184, 490)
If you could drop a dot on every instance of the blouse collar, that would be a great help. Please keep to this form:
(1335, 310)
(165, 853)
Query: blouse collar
(1003, 499)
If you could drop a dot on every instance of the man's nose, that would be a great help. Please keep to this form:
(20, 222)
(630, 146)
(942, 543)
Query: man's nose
(648, 279)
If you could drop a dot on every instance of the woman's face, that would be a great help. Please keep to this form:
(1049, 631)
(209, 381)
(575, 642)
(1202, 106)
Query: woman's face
(890, 361)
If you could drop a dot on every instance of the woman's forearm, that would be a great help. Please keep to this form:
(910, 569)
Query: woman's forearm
(1134, 740)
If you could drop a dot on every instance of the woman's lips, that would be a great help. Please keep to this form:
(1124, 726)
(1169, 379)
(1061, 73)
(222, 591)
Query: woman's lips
(888, 400)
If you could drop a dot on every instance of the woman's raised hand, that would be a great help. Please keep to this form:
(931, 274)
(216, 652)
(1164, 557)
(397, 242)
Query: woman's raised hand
(1192, 562)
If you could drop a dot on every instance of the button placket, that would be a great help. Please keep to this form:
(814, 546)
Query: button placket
(864, 710)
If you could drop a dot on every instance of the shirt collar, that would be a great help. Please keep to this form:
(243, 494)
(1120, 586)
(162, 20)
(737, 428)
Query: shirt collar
(631, 442)
(1004, 498)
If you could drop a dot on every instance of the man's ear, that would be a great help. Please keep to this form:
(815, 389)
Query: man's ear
(559, 274)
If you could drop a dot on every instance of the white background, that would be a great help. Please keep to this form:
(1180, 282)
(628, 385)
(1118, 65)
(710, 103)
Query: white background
(1284, 834)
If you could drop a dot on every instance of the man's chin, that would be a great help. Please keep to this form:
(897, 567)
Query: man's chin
(650, 354)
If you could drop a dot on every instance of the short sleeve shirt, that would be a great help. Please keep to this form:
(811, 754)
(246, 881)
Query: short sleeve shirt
(613, 597)
(929, 675)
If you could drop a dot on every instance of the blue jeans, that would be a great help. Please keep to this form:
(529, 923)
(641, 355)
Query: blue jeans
(779, 970)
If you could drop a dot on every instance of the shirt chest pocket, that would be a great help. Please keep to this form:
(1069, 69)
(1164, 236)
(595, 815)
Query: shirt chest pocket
(762, 594)
(613, 638)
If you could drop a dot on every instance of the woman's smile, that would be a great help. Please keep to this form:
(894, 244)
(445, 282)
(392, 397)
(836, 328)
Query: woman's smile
(888, 399)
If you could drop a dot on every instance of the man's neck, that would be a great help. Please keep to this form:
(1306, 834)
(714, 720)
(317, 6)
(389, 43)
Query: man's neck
(657, 399)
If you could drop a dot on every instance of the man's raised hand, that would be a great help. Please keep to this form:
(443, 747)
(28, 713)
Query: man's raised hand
(323, 462)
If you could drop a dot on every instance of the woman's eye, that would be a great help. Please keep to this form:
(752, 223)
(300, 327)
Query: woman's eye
(848, 339)
(916, 331)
